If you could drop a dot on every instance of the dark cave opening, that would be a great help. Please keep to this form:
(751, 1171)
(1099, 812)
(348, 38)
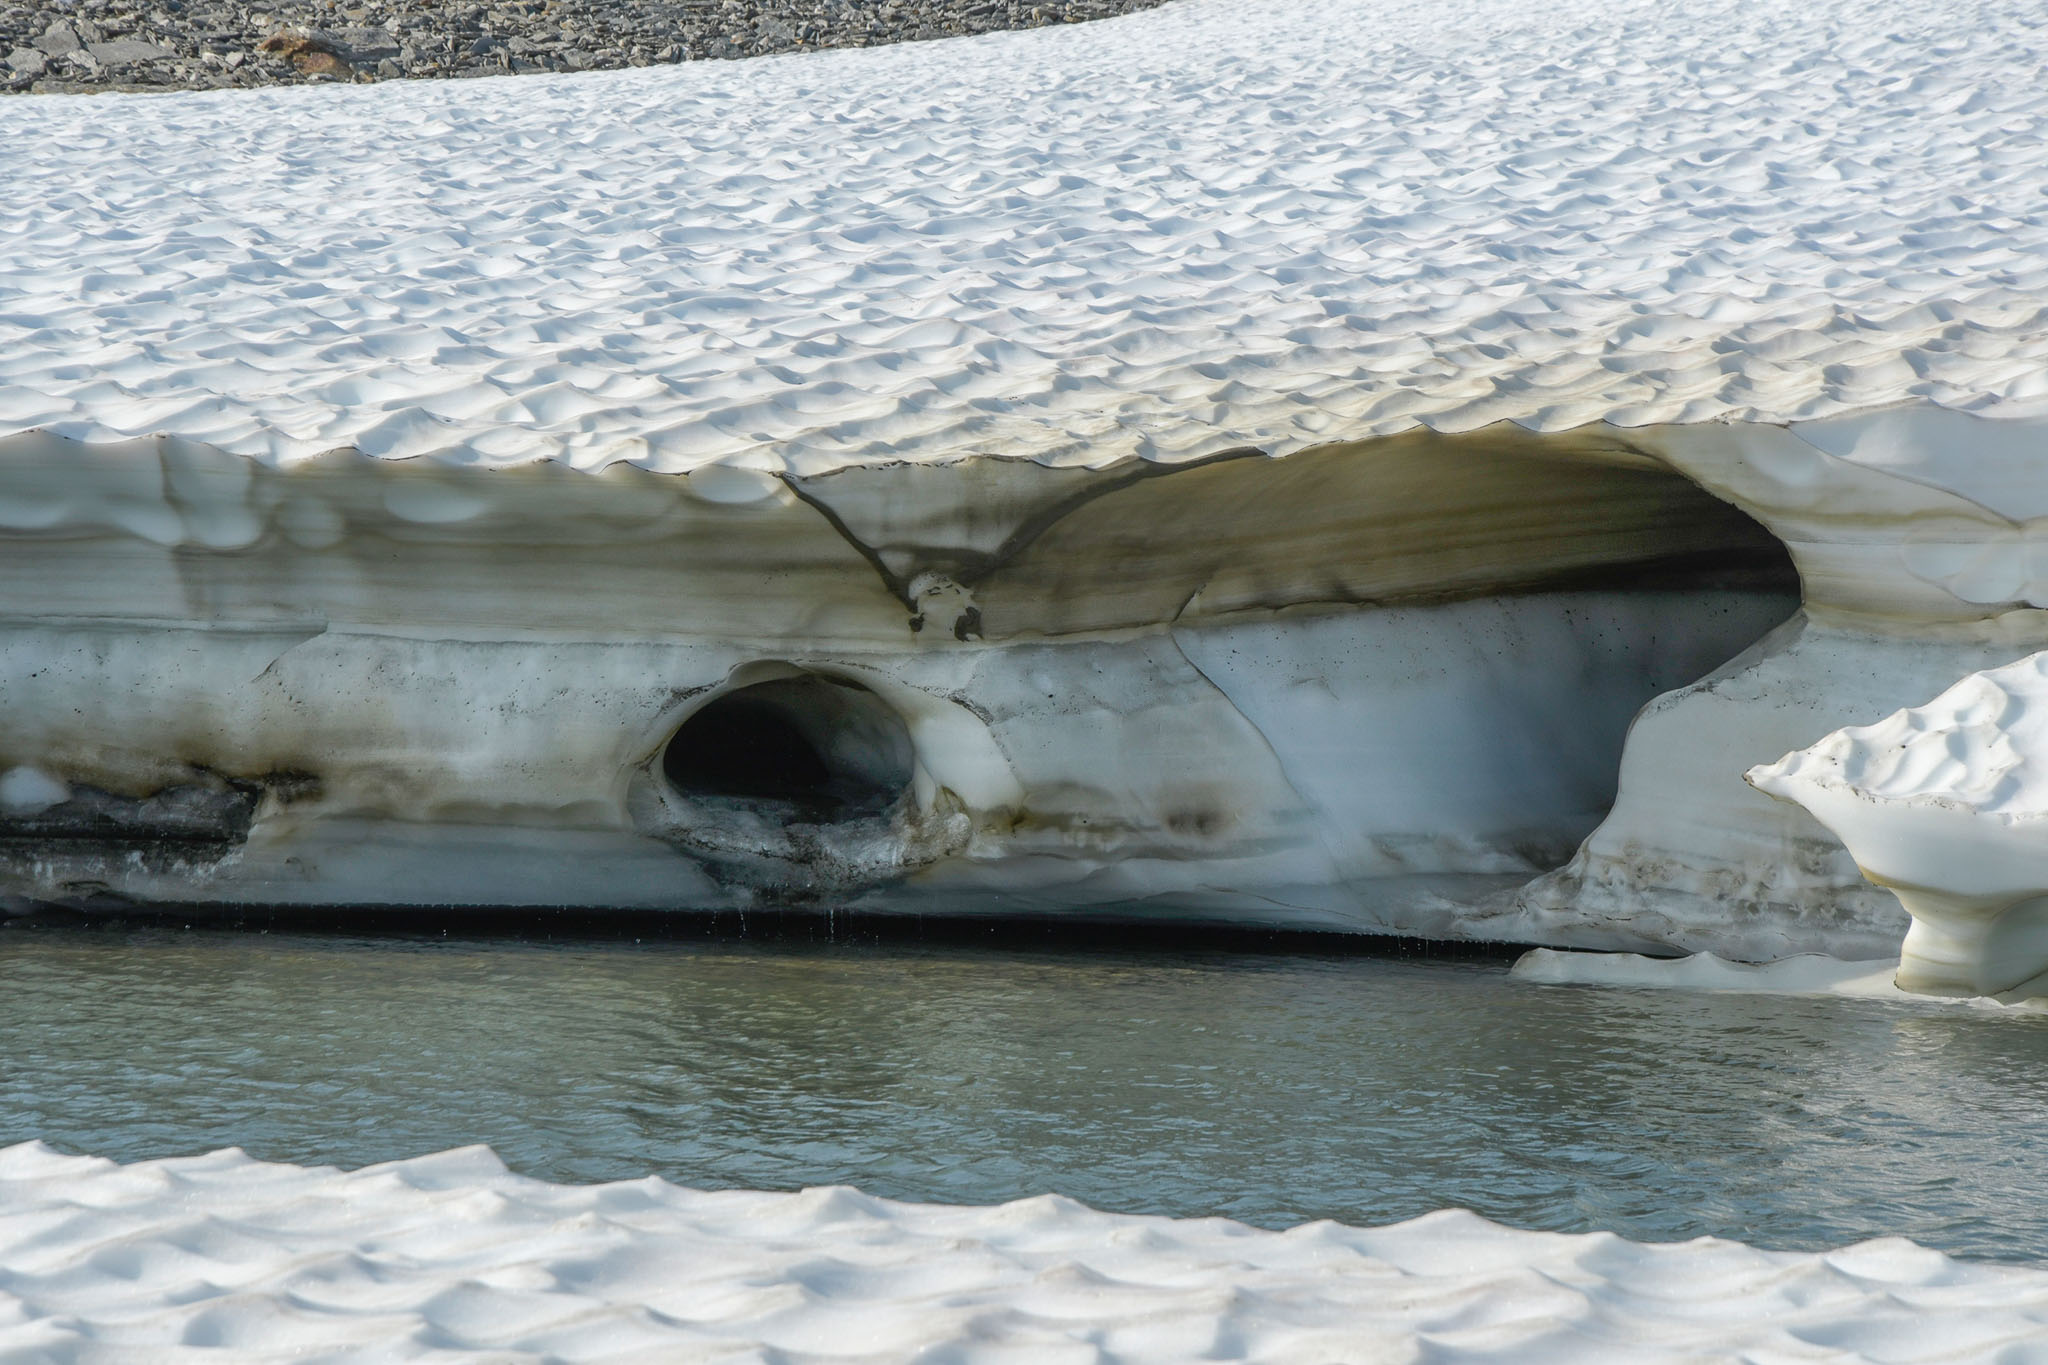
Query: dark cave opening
(830, 748)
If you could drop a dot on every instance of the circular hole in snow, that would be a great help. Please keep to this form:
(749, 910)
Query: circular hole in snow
(831, 748)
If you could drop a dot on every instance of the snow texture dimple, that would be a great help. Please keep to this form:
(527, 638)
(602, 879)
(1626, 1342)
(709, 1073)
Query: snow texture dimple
(1981, 746)
(225, 1259)
(1210, 225)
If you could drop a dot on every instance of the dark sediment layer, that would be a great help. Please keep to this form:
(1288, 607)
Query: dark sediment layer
(212, 44)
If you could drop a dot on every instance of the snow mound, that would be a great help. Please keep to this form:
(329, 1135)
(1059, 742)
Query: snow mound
(1980, 747)
(1202, 227)
(223, 1258)
(1943, 804)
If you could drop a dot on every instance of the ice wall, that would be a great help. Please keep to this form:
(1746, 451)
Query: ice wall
(1360, 687)
(1373, 686)
(383, 491)
(1912, 531)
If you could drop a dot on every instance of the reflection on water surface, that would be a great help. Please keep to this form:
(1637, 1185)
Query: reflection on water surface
(1268, 1088)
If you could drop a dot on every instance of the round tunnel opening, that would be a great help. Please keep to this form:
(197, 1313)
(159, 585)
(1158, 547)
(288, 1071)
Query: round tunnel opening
(831, 749)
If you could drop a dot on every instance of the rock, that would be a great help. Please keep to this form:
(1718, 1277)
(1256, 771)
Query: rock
(27, 61)
(27, 791)
(122, 51)
(312, 54)
(59, 39)
(365, 45)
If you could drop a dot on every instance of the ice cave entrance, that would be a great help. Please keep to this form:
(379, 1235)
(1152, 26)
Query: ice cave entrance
(829, 747)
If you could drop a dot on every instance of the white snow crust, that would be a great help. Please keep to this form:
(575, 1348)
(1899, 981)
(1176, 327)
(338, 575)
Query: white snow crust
(1944, 805)
(1980, 747)
(1209, 225)
(225, 1259)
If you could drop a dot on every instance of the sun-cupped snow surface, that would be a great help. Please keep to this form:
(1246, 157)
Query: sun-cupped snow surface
(1980, 747)
(1208, 225)
(451, 1257)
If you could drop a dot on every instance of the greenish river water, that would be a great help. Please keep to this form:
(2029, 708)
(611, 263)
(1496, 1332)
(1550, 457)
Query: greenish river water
(1267, 1087)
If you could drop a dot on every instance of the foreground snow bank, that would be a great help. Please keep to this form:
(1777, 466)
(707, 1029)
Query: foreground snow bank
(224, 1258)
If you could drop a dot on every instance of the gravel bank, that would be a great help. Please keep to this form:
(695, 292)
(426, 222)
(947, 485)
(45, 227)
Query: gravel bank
(208, 44)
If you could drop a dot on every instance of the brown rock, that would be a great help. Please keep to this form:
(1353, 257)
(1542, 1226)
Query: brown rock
(312, 55)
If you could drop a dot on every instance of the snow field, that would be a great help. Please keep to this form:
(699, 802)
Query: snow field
(222, 1258)
(1200, 227)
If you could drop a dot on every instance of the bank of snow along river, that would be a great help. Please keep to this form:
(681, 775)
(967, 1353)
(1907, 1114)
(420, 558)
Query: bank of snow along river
(971, 1095)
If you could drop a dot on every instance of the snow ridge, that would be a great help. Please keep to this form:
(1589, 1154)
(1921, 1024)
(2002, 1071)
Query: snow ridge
(1204, 226)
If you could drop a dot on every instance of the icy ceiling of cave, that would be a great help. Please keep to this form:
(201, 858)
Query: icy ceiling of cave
(1206, 226)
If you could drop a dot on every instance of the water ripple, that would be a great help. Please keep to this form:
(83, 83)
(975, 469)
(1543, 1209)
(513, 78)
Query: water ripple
(1268, 1088)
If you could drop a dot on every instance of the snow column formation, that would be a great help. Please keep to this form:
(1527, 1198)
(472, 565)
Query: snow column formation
(1247, 463)
(1946, 805)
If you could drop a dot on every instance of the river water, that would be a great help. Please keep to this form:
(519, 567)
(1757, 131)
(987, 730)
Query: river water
(1268, 1087)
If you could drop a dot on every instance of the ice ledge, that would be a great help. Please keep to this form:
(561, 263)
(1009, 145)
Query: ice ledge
(1803, 974)
(1907, 514)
